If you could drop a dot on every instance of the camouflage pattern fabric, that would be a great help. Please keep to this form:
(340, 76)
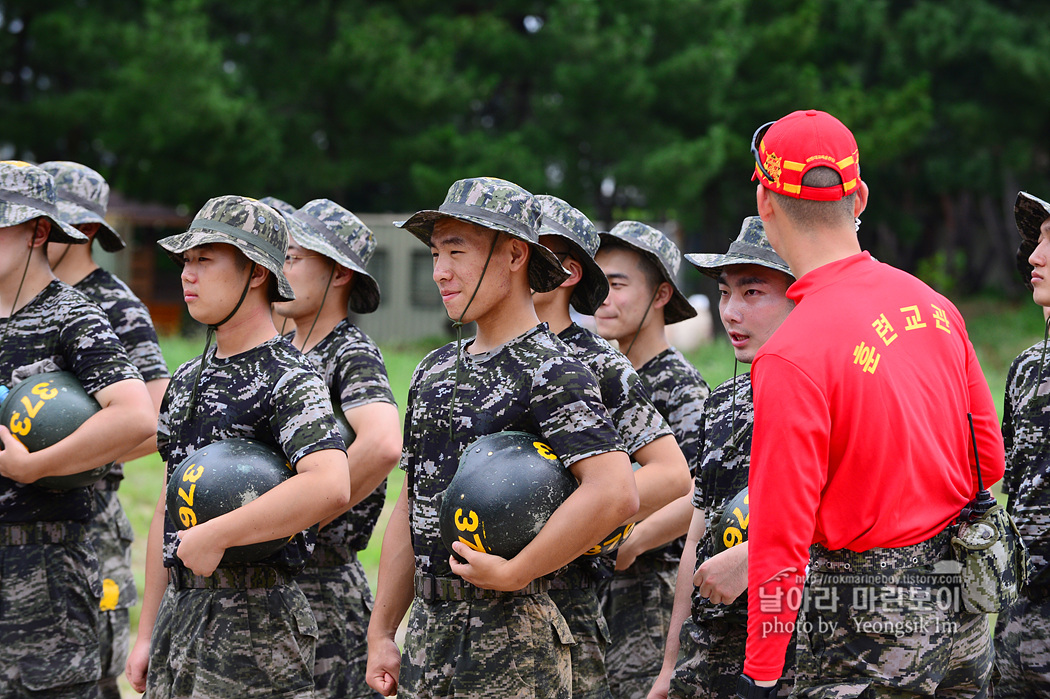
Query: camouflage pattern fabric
(500, 206)
(711, 660)
(1022, 650)
(114, 638)
(872, 626)
(257, 230)
(1022, 637)
(530, 384)
(83, 197)
(725, 457)
(133, 325)
(269, 393)
(661, 251)
(325, 227)
(511, 647)
(678, 391)
(637, 602)
(751, 247)
(49, 621)
(637, 605)
(27, 192)
(278, 204)
(1026, 420)
(222, 643)
(333, 580)
(352, 367)
(583, 614)
(111, 536)
(61, 328)
(561, 219)
(341, 602)
(637, 420)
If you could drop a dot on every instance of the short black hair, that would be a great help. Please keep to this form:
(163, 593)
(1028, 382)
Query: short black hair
(822, 213)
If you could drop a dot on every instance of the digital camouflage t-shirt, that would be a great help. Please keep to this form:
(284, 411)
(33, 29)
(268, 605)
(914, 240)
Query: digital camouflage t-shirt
(352, 367)
(59, 330)
(132, 323)
(269, 393)
(531, 384)
(678, 391)
(725, 455)
(1026, 426)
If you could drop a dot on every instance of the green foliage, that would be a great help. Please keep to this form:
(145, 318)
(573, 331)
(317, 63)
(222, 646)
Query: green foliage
(637, 106)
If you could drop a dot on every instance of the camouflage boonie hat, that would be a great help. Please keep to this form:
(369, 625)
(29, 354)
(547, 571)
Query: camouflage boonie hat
(1029, 214)
(83, 197)
(664, 254)
(500, 206)
(327, 228)
(254, 228)
(561, 219)
(751, 247)
(27, 192)
(279, 204)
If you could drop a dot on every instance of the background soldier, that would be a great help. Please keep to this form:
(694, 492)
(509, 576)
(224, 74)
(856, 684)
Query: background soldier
(223, 631)
(515, 376)
(325, 265)
(663, 472)
(865, 434)
(83, 196)
(49, 597)
(708, 644)
(1022, 632)
(641, 264)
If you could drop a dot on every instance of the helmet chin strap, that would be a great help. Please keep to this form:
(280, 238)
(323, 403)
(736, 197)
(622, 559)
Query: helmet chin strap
(458, 325)
(14, 304)
(207, 343)
(327, 286)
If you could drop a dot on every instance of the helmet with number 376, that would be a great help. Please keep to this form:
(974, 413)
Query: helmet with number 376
(507, 486)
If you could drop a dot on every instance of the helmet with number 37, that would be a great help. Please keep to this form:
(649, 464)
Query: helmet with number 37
(43, 410)
(507, 486)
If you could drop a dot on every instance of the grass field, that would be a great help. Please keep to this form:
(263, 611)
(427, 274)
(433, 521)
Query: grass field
(998, 330)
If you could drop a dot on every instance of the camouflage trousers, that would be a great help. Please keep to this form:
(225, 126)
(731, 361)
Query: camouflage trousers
(49, 618)
(1022, 650)
(511, 646)
(711, 658)
(583, 612)
(221, 643)
(637, 605)
(342, 603)
(890, 623)
(111, 536)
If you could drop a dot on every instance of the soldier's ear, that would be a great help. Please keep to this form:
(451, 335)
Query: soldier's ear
(41, 231)
(260, 275)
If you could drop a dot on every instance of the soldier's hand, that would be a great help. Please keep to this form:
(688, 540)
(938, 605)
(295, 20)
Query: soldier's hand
(15, 462)
(627, 553)
(137, 665)
(485, 570)
(660, 687)
(723, 577)
(384, 666)
(198, 550)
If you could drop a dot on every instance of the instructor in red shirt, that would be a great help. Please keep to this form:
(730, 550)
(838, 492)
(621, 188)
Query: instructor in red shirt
(862, 457)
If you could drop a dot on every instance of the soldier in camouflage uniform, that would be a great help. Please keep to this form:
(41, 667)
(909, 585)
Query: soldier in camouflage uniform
(662, 474)
(82, 199)
(641, 264)
(49, 582)
(325, 265)
(1022, 633)
(229, 630)
(708, 643)
(486, 627)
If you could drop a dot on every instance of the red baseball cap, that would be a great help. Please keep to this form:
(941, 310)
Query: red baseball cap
(786, 149)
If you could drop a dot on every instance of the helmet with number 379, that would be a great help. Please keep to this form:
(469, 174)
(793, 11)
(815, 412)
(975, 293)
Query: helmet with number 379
(43, 410)
(507, 486)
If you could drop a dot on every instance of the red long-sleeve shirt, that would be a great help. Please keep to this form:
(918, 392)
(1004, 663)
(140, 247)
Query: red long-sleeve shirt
(861, 439)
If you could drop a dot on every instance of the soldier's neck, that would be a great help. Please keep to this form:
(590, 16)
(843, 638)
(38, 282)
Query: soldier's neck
(16, 293)
(76, 264)
(250, 327)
